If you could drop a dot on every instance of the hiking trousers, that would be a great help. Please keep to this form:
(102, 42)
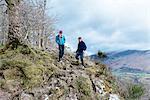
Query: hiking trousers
(80, 54)
(61, 51)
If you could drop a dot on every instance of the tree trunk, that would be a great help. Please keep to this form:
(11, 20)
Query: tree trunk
(14, 31)
(43, 24)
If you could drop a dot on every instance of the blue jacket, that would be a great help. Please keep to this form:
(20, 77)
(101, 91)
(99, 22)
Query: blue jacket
(81, 47)
(60, 40)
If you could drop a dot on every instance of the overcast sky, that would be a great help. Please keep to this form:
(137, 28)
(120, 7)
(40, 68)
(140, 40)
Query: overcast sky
(106, 25)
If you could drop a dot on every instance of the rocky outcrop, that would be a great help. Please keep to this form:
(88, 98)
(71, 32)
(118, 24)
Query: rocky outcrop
(36, 75)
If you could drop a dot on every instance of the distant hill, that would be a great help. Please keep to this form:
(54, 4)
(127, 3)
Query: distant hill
(135, 59)
(130, 66)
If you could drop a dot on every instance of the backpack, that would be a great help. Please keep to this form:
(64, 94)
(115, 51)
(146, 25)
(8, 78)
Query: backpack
(84, 48)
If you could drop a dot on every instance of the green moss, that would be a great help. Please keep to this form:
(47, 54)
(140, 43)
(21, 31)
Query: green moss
(30, 70)
(24, 49)
(84, 86)
(52, 70)
(40, 62)
(102, 70)
(12, 74)
(2, 83)
(8, 54)
(6, 64)
(9, 2)
(28, 66)
(97, 70)
(34, 76)
(83, 97)
(91, 70)
(1, 46)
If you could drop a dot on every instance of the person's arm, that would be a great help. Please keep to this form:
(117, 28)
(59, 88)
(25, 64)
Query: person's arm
(64, 39)
(57, 40)
(77, 49)
(85, 47)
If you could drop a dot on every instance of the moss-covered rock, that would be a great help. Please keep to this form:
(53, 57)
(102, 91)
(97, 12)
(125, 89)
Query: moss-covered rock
(84, 86)
(97, 70)
(2, 83)
(33, 75)
(11, 63)
(38, 73)
(12, 74)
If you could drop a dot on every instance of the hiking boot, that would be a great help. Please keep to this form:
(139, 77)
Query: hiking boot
(60, 59)
(83, 65)
(82, 62)
(77, 62)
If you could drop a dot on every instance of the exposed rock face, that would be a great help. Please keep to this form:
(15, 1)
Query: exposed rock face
(38, 76)
(4, 95)
(24, 96)
(114, 97)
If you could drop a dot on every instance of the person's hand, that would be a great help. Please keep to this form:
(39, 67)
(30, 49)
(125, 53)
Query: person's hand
(57, 46)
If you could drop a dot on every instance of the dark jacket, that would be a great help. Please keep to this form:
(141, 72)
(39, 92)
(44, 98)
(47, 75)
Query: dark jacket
(81, 47)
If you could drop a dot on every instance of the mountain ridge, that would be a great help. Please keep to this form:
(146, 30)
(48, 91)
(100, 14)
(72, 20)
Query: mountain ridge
(136, 59)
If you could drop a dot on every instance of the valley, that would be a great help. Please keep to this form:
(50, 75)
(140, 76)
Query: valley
(131, 66)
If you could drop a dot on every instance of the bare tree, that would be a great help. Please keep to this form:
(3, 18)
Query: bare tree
(14, 30)
(3, 23)
(43, 26)
(26, 21)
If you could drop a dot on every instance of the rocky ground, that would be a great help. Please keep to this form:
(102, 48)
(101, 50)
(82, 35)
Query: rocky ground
(31, 74)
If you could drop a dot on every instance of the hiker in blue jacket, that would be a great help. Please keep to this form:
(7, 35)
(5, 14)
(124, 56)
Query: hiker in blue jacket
(80, 51)
(60, 40)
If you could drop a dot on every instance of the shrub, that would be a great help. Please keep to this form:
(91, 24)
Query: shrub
(1, 45)
(24, 49)
(101, 54)
(83, 85)
(136, 91)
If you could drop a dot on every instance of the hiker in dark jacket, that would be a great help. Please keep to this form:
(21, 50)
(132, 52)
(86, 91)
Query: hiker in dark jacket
(60, 40)
(80, 51)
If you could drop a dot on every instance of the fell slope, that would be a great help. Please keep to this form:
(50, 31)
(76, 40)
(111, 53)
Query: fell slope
(135, 59)
(31, 74)
(131, 58)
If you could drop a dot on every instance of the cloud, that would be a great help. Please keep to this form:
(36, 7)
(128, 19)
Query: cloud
(105, 24)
